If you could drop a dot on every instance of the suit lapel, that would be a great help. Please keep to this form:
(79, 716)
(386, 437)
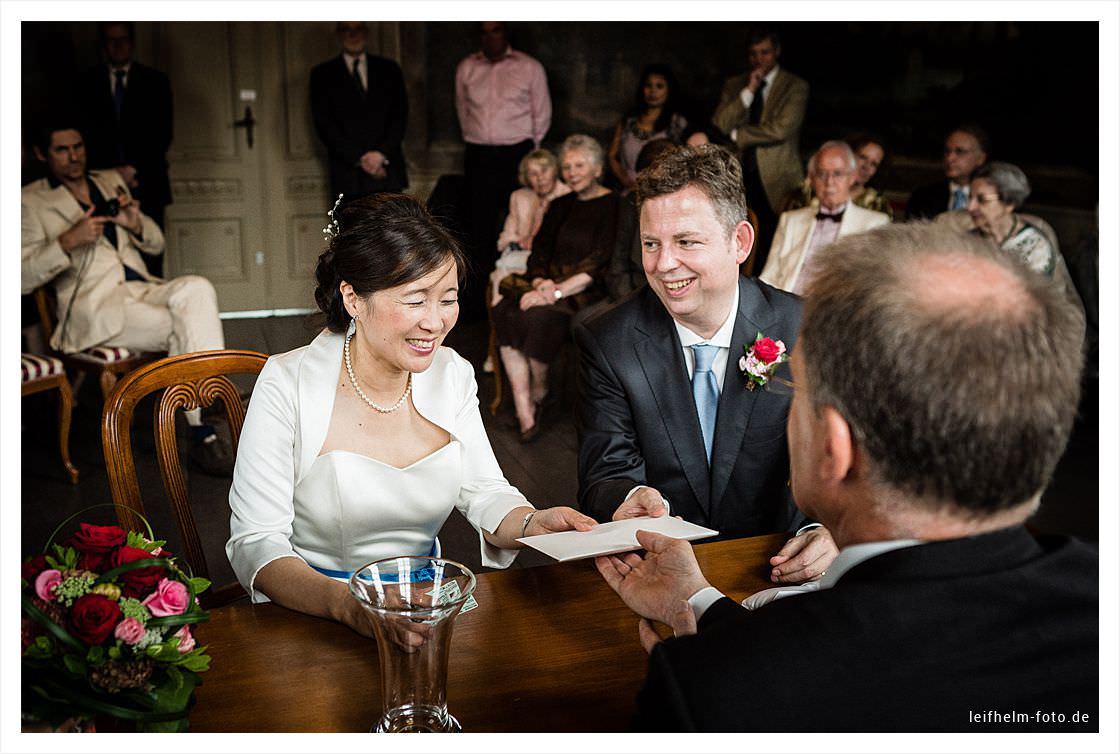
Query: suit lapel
(774, 96)
(736, 403)
(661, 357)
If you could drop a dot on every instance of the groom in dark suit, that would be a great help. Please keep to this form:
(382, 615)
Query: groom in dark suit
(942, 612)
(360, 108)
(667, 415)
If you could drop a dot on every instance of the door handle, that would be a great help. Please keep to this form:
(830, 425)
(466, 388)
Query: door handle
(247, 123)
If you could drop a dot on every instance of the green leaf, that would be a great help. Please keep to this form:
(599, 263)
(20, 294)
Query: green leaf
(75, 665)
(40, 649)
(142, 563)
(114, 653)
(198, 585)
(189, 617)
(95, 655)
(199, 662)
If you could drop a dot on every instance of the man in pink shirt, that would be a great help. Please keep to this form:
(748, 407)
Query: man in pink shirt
(501, 96)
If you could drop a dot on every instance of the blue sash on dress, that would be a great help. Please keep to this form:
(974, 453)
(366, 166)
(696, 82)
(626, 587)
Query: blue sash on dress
(422, 574)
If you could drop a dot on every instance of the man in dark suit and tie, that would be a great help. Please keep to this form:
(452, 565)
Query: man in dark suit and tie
(360, 108)
(966, 148)
(942, 611)
(666, 410)
(126, 113)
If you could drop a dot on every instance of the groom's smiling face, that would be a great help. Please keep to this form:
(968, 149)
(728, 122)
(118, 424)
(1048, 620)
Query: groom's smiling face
(691, 258)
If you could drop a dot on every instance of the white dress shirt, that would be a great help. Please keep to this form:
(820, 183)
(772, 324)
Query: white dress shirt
(746, 96)
(127, 67)
(825, 232)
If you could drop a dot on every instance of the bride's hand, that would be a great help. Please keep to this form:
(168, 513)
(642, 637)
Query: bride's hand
(560, 518)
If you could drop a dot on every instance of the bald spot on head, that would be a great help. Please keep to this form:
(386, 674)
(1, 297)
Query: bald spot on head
(962, 285)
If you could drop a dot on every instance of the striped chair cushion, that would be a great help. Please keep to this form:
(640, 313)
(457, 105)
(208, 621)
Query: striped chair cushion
(104, 354)
(37, 367)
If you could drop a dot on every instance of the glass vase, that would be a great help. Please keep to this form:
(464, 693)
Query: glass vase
(413, 602)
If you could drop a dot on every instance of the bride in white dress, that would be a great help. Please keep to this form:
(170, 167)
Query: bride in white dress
(358, 445)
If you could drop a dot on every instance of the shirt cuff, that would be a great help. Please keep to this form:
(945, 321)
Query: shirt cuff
(746, 96)
(640, 486)
(806, 528)
(704, 599)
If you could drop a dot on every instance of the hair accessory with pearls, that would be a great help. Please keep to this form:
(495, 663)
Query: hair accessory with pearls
(331, 230)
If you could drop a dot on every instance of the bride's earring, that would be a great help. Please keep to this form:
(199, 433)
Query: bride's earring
(353, 328)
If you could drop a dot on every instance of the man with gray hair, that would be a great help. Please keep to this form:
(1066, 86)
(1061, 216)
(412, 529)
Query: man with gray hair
(803, 233)
(935, 383)
(670, 423)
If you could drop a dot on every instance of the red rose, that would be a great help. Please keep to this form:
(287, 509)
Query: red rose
(97, 540)
(766, 350)
(93, 618)
(32, 567)
(139, 581)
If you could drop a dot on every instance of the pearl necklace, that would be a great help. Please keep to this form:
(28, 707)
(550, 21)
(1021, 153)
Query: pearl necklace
(361, 393)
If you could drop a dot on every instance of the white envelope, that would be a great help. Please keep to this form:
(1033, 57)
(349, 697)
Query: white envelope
(617, 536)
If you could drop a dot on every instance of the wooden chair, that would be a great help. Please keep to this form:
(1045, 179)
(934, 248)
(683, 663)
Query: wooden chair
(107, 362)
(47, 373)
(188, 381)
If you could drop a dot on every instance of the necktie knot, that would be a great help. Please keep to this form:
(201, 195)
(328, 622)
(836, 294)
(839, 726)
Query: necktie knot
(705, 354)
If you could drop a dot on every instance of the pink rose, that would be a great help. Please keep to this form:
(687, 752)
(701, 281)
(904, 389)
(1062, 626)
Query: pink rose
(169, 598)
(767, 350)
(129, 630)
(186, 641)
(45, 583)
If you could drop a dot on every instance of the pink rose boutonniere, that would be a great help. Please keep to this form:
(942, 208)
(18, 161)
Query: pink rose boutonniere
(760, 359)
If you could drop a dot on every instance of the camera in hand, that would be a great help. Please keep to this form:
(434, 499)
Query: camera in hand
(107, 208)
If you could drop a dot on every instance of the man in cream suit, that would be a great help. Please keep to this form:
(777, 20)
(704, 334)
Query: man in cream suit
(83, 232)
(803, 233)
(761, 111)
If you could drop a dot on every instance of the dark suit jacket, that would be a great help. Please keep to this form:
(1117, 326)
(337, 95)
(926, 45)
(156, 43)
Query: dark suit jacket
(927, 202)
(911, 640)
(351, 124)
(639, 422)
(144, 130)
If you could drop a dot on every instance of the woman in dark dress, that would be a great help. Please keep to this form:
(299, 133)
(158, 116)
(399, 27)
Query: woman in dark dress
(564, 275)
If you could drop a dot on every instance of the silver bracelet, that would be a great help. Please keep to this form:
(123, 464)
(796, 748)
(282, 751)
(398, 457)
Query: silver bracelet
(525, 522)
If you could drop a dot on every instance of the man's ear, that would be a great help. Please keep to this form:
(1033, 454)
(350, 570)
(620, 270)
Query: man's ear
(839, 451)
(744, 239)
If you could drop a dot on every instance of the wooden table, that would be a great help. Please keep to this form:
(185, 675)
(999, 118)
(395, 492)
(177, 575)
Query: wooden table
(548, 649)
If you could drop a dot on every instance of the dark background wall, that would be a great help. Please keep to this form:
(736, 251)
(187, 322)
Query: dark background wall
(1032, 85)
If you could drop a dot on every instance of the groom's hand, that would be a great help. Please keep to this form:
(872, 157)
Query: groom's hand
(646, 501)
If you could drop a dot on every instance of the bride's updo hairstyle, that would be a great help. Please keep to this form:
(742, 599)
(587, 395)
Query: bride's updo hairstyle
(380, 242)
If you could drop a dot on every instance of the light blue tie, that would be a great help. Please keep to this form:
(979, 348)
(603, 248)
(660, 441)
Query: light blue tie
(705, 391)
(960, 199)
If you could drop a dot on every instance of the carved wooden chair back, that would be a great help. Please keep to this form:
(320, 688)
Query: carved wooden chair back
(188, 381)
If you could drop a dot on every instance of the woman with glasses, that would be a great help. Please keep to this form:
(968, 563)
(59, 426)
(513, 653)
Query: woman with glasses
(996, 191)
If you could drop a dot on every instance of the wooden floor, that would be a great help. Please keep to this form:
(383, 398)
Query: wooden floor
(545, 470)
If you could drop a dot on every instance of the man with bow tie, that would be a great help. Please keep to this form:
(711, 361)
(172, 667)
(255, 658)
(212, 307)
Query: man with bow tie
(804, 233)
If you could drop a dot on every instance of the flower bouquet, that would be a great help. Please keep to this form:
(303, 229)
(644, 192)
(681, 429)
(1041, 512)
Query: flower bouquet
(106, 631)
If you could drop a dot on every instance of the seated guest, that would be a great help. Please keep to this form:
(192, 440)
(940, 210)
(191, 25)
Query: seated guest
(804, 233)
(625, 273)
(653, 116)
(871, 153)
(540, 185)
(564, 275)
(941, 606)
(82, 232)
(966, 148)
(357, 446)
(666, 415)
(998, 189)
